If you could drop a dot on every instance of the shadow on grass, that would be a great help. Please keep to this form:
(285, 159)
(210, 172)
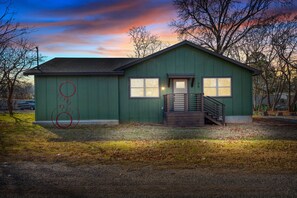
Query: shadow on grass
(18, 120)
(15, 130)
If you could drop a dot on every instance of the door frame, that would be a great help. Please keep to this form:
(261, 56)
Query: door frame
(173, 79)
(185, 101)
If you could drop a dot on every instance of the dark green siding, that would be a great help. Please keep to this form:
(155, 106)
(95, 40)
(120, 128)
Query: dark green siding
(95, 97)
(184, 59)
(107, 98)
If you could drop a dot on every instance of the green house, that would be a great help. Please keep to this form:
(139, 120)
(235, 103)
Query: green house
(184, 85)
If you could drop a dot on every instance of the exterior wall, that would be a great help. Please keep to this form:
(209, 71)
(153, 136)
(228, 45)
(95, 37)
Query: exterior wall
(181, 60)
(94, 98)
(239, 119)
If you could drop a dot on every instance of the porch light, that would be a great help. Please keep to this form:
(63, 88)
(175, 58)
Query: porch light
(162, 88)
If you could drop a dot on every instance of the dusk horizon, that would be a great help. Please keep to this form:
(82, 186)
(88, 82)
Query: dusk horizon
(93, 28)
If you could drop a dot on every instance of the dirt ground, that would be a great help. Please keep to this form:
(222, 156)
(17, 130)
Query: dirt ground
(27, 179)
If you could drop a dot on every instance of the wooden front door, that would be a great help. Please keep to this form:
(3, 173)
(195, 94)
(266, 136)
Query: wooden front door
(180, 88)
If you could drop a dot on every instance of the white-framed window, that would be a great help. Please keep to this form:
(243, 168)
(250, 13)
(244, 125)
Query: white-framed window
(217, 87)
(144, 87)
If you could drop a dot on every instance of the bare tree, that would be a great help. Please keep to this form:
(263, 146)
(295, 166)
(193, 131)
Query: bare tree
(23, 90)
(285, 45)
(144, 42)
(269, 84)
(272, 49)
(15, 52)
(219, 24)
(15, 59)
(257, 51)
(9, 30)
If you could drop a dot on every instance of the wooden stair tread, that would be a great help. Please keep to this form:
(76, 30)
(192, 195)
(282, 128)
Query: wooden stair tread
(213, 120)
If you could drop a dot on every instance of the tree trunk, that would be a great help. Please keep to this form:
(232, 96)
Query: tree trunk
(261, 101)
(289, 97)
(267, 93)
(10, 100)
(293, 102)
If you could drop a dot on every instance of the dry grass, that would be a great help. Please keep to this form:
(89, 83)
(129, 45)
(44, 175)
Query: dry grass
(20, 140)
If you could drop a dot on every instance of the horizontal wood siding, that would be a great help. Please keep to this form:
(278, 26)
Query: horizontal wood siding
(95, 97)
(184, 59)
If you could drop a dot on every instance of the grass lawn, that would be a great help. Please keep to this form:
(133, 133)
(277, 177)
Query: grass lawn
(254, 147)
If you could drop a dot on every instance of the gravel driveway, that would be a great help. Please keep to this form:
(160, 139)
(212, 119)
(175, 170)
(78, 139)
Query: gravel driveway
(27, 179)
(261, 128)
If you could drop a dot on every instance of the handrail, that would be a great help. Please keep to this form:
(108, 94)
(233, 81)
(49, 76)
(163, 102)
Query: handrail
(211, 98)
(214, 108)
(184, 102)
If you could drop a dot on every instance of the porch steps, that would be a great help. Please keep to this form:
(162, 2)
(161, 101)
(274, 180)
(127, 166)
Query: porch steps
(213, 119)
(184, 119)
(214, 110)
(183, 109)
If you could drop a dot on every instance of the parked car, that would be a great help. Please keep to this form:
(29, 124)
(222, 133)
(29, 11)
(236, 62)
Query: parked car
(30, 104)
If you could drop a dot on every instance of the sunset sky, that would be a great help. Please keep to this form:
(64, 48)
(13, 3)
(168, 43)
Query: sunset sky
(92, 28)
(95, 28)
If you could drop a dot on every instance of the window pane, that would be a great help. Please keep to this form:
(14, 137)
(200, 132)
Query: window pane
(209, 82)
(137, 92)
(224, 82)
(210, 91)
(137, 82)
(144, 87)
(152, 92)
(180, 85)
(224, 91)
(152, 82)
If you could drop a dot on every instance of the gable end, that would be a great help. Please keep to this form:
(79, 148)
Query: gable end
(237, 63)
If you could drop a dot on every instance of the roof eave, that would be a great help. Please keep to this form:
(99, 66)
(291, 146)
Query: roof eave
(257, 72)
(34, 73)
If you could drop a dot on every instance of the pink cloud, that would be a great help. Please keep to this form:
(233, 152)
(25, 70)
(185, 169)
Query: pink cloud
(95, 21)
(108, 26)
(96, 8)
(62, 38)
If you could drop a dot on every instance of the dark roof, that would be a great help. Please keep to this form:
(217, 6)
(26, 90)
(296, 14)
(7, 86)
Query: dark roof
(112, 66)
(185, 42)
(80, 66)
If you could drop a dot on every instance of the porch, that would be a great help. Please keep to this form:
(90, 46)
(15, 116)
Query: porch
(192, 109)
